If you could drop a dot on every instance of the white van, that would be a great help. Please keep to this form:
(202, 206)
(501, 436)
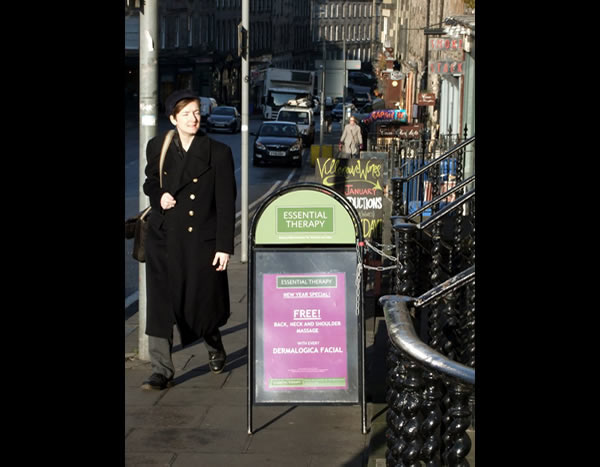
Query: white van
(207, 104)
(304, 119)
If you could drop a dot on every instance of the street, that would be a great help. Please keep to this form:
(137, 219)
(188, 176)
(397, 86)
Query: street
(262, 181)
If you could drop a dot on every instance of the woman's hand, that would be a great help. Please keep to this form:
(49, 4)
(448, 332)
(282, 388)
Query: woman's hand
(221, 260)
(167, 201)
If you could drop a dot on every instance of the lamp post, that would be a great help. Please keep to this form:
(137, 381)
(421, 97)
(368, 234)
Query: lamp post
(148, 113)
(245, 55)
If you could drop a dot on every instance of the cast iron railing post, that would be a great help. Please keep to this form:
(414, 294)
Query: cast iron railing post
(405, 271)
(469, 329)
(404, 437)
(431, 426)
(457, 443)
(436, 335)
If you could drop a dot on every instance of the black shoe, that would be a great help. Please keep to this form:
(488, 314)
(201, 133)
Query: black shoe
(216, 361)
(158, 382)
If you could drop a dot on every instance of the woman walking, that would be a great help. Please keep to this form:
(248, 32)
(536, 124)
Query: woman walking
(189, 241)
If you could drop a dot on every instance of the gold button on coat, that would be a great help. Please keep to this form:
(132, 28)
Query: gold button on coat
(195, 180)
(192, 196)
(190, 229)
(191, 213)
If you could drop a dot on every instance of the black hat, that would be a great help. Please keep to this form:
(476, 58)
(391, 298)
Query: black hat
(176, 96)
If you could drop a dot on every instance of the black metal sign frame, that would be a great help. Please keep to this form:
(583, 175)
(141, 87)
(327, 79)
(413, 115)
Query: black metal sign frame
(331, 271)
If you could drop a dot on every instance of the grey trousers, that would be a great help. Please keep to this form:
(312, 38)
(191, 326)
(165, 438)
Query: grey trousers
(160, 350)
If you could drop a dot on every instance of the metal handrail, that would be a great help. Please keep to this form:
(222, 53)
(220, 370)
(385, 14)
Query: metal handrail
(396, 310)
(462, 278)
(437, 160)
(442, 196)
(402, 222)
(447, 209)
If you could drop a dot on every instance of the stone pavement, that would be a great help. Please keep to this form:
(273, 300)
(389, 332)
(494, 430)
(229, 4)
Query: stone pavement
(201, 420)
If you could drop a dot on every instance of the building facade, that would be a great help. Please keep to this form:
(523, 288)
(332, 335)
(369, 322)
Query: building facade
(198, 41)
(408, 29)
(350, 24)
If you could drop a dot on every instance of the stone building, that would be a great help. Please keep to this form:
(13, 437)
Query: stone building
(198, 43)
(407, 29)
(355, 22)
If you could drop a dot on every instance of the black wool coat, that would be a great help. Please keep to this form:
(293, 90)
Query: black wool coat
(182, 286)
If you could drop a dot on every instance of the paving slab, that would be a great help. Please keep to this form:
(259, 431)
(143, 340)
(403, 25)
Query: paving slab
(179, 439)
(241, 460)
(145, 459)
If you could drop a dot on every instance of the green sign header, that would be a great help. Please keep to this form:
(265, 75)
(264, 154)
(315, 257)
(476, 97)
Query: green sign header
(305, 216)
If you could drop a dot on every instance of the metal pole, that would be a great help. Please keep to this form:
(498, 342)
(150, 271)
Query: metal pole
(148, 112)
(322, 118)
(373, 17)
(244, 134)
(345, 86)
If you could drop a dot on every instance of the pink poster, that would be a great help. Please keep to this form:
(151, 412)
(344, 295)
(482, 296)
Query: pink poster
(304, 331)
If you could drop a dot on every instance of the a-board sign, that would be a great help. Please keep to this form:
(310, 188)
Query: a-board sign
(360, 181)
(305, 317)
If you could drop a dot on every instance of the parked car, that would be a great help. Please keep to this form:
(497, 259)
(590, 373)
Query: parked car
(279, 142)
(207, 104)
(224, 118)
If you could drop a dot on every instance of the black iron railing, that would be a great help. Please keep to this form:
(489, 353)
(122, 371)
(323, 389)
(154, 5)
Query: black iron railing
(428, 393)
(417, 182)
(432, 354)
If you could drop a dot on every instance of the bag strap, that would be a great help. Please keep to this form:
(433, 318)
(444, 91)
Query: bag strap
(144, 213)
(163, 153)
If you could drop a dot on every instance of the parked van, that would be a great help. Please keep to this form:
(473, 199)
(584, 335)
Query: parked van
(303, 116)
(207, 104)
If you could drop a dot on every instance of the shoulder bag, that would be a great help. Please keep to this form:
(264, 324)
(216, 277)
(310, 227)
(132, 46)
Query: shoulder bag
(137, 227)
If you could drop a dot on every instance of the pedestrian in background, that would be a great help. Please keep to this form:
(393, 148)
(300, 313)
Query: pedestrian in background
(351, 140)
(189, 240)
(328, 121)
